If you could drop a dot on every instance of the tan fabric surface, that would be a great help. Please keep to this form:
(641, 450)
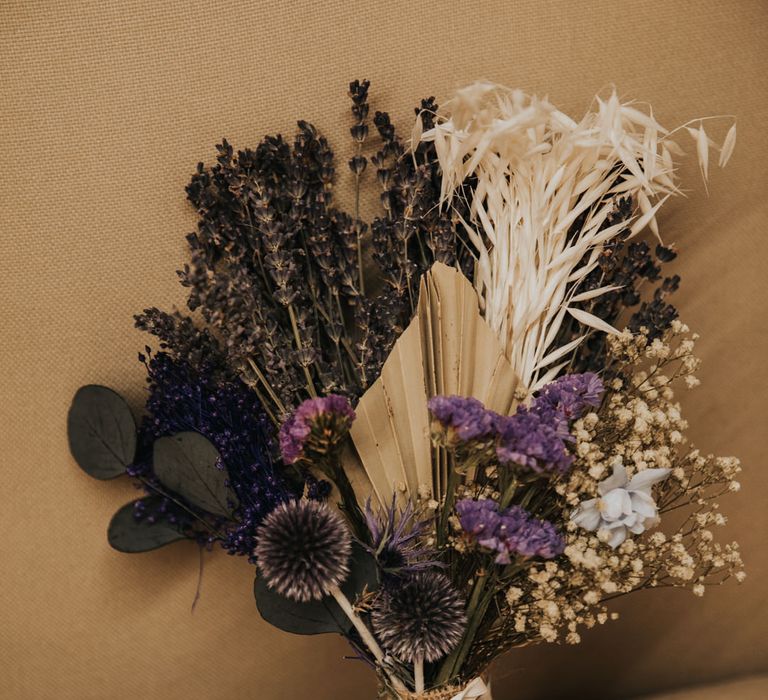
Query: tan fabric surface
(105, 109)
(750, 688)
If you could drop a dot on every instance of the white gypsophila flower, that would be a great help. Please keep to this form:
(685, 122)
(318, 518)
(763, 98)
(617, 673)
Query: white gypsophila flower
(625, 505)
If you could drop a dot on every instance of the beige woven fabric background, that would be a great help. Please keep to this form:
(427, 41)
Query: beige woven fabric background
(105, 109)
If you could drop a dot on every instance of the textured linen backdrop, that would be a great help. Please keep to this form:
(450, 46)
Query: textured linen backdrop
(107, 107)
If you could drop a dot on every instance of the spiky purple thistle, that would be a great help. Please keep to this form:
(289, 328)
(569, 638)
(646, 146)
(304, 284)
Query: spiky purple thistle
(421, 618)
(510, 531)
(397, 540)
(303, 548)
(315, 428)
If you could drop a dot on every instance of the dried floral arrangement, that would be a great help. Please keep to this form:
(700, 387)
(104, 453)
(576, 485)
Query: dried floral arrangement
(427, 432)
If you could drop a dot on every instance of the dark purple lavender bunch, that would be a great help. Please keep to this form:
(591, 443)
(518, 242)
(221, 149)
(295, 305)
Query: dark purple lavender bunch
(397, 540)
(316, 429)
(461, 422)
(420, 618)
(183, 398)
(303, 550)
(512, 531)
(533, 440)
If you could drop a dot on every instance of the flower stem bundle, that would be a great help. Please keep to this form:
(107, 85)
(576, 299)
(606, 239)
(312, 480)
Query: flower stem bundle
(446, 432)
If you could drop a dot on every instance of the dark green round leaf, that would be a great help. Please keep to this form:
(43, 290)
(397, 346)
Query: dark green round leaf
(187, 464)
(318, 616)
(101, 431)
(127, 535)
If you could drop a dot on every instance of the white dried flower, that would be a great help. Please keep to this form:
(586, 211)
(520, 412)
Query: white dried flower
(625, 505)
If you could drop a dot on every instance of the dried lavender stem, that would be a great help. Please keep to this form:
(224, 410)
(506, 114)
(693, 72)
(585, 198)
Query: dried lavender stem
(267, 386)
(453, 662)
(365, 634)
(297, 336)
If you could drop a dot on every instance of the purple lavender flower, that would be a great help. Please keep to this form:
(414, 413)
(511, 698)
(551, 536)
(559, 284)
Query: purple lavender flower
(571, 394)
(533, 440)
(462, 419)
(514, 530)
(330, 416)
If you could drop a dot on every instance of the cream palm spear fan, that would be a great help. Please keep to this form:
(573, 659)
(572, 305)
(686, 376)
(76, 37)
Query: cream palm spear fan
(447, 349)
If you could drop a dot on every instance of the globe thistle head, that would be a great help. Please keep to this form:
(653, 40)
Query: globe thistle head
(422, 618)
(303, 548)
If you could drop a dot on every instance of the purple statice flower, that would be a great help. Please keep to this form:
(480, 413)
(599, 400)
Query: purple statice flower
(462, 419)
(480, 519)
(397, 540)
(571, 395)
(511, 531)
(333, 413)
(520, 532)
(533, 440)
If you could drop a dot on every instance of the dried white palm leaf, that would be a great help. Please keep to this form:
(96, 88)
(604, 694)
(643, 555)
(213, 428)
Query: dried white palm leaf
(447, 349)
(545, 187)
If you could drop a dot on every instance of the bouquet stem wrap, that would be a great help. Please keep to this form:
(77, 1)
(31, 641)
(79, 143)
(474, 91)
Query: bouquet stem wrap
(476, 689)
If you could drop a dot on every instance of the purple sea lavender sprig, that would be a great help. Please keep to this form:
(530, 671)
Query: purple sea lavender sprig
(533, 437)
(571, 394)
(463, 425)
(511, 531)
(457, 419)
(534, 441)
(314, 435)
(316, 428)
(480, 519)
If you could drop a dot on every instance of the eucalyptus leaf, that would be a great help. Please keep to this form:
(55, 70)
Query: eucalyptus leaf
(188, 464)
(318, 616)
(101, 432)
(315, 617)
(127, 535)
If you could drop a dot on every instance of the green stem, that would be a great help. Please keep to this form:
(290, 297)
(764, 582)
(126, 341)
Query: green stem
(508, 494)
(349, 503)
(260, 375)
(450, 497)
(475, 613)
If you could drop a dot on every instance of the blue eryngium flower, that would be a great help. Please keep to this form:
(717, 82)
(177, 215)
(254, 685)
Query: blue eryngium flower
(397, 540)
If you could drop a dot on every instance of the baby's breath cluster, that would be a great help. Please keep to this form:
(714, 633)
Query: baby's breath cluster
(640, 425)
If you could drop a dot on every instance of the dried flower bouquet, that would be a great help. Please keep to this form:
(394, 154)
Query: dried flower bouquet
(426, 432)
